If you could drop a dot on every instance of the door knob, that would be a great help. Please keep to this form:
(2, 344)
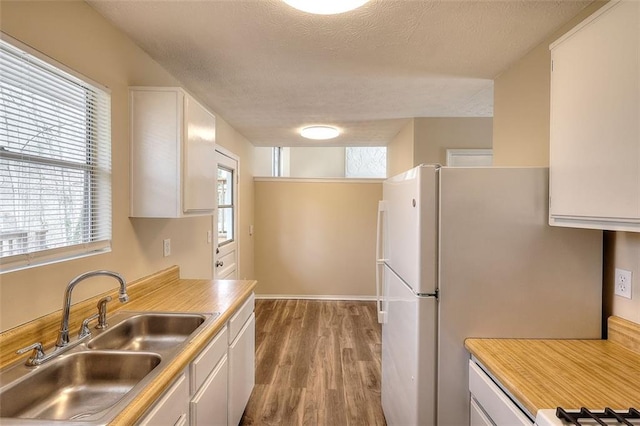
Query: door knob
(219, 263)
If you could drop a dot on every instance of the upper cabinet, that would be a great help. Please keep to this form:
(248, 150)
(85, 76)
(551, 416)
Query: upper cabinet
(173, 157)
(595, 122)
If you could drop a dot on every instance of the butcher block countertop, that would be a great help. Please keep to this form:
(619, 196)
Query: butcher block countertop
(567, 373)
(163, 291)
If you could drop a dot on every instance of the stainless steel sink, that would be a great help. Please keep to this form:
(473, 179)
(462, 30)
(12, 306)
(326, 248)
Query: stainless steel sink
(76, 386)
(148, 332)
(90, 382)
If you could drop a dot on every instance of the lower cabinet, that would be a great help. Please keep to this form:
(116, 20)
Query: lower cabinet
(490, 405)
(215, 388)
(209, 405)
(209, 376)
(478, 416)
(241, 370)
(171, 409)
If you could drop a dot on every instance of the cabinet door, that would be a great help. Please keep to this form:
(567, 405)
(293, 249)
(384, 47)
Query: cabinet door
(595, 107)
(172, 408)
(241, 370)
(209, 405)
(478, 416)
(156, 126)
(495, 403)
(200, 172)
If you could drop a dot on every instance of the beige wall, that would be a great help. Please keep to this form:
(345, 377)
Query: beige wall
(316, 238)
(426, 140)
(75, 35)
(623, 251)
(433, 136)
(316, 162)
(400, 150)
(521, 137)
(521, 104)
(262, 161)
(521, 111)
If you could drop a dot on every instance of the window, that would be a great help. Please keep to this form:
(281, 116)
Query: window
(366, 162)
(321, 162)
(55, 162)
(225, 205)
(276, 161)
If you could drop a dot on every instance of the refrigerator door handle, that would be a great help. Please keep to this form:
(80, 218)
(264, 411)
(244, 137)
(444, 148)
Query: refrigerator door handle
(380, 261)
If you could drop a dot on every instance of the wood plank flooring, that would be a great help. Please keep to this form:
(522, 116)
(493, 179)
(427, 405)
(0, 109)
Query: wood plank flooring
(317, 363)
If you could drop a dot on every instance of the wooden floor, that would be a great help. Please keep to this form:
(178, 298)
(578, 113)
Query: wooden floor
(317, 363)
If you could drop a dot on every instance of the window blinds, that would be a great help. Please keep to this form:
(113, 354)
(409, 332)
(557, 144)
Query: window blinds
(55, 162)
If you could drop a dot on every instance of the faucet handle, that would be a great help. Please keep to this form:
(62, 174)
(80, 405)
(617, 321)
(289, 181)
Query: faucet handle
(36, 357)
(84, 328)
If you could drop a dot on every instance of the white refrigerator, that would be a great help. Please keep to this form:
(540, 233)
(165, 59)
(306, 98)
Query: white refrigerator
(468, 252)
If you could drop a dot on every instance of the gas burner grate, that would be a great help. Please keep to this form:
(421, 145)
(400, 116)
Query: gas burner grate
(608, 413)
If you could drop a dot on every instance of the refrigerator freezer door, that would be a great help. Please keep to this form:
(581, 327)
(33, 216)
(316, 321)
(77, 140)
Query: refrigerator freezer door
(411, 224)
(408, 354)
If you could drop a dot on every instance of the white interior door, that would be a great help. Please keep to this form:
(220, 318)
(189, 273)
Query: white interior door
(225, 257)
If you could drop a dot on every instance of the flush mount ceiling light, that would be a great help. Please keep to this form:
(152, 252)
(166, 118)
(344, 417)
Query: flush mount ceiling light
(319, 132)
(325, 7)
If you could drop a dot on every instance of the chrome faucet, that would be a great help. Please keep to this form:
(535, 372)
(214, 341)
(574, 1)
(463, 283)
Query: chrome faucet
(63, 334)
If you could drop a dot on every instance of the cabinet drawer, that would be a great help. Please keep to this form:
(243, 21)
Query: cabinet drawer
(171, 409)
(494, 402)
(240, 317)
(477, 415)
(202, 366)
(209, 405)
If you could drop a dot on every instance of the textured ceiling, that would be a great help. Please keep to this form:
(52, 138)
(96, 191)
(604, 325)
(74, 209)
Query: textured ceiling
(269, 69)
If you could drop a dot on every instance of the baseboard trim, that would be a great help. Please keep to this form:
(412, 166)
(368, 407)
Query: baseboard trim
(315, 297)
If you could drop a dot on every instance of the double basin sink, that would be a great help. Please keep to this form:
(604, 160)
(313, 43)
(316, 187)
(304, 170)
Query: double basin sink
(92, 382)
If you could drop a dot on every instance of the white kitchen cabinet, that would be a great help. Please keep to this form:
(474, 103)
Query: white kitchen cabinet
(477, 415)
(242, 328)
(490, 405)
(209, 375)
(172, 408)
(209, 404)
(173, 159)
(595, 109)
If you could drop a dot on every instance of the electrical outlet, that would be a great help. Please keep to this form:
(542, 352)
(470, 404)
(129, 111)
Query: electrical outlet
(209, 237)
(623, 283)
(166, 247)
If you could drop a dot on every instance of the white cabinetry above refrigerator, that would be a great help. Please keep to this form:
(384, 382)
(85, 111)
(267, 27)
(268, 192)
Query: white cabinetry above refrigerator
(595, 108)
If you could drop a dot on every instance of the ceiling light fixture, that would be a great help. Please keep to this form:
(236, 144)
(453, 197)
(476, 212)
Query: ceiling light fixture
(319, 132)
(325, 7)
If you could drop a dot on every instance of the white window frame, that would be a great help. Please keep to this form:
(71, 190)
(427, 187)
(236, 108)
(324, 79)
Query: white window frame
(97, 186)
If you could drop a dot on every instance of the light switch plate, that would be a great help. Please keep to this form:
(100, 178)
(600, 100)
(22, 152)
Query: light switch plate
(166, 247)
(623, 283)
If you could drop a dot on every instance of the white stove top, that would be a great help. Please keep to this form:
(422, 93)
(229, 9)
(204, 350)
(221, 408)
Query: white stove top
(549, 418)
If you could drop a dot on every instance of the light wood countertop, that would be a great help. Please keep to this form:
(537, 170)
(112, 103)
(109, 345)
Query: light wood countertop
(164, 291)
(567, 373)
